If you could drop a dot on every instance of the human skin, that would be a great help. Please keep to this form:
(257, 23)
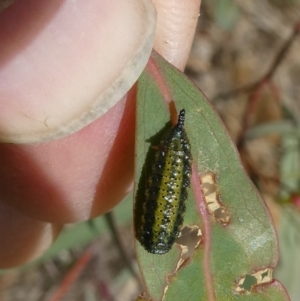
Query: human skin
(85, 173)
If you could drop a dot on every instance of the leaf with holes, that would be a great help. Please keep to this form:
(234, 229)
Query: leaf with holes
(227, 235)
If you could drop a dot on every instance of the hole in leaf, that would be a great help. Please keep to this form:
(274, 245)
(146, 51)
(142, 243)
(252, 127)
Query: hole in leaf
(212, 198)
(247, 283)
(189, 239)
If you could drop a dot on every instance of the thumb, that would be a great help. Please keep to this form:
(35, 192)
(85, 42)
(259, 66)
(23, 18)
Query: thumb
(175, 29)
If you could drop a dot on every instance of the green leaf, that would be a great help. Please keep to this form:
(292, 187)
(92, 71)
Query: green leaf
(290, 165)
(288, 271)
(226, 253)
(282, 127)
(227, 13)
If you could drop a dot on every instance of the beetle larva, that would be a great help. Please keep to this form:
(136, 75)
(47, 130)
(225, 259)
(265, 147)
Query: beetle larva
(162, 211)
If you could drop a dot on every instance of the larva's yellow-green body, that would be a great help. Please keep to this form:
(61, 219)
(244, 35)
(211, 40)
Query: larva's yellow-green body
(162, 212)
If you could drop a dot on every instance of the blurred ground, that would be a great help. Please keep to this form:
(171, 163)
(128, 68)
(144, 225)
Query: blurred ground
(102, 274)
(235, 46)
(228, 57)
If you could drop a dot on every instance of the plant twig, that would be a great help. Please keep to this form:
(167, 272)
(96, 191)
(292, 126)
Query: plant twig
(119, 243)
(269, 74)
(72, 276)
(259, 85)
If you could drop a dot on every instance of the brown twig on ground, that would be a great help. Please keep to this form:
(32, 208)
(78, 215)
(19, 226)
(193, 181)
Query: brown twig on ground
(72, 275)
(277, 61)
(259, 85)
(109, 217)
(253, 100)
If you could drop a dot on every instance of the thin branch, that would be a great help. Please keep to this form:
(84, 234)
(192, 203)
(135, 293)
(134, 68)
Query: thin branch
(109, 217)
(258, 86)
(72, 276)
(276, 63)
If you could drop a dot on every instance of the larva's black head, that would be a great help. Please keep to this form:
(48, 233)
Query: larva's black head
(181, 118)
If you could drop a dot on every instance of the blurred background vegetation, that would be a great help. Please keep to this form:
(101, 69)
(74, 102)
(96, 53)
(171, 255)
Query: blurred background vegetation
(245, 58)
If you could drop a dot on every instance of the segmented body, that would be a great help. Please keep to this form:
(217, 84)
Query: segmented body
(164, 205)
